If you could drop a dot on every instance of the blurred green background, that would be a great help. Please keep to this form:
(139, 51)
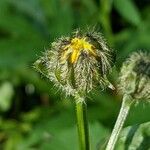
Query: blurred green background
(33, 114)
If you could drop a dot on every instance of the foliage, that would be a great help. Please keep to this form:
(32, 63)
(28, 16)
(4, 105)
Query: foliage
(33, 114)
(135, 137)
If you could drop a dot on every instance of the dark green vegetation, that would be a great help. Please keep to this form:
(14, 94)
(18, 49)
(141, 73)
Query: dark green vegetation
(33, 114)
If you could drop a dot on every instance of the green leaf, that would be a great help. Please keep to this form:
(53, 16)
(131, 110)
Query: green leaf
(31, 8)
(21, 39)
(59, 16)
(60, 132)
(135, 137)
(6, 94)
(128, 10)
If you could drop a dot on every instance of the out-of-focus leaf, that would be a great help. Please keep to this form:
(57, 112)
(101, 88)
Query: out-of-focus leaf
(133, 117)
(21, 39)
(128, 10)
(31, 8)
(88, 15)
(11, 143)
(60, 132)
(59, 16)
(101, 109)
(130, 40)
(11, 134)
(6, 94)
(18, 53)
(71, 133)
(104, 17)
(136, 137)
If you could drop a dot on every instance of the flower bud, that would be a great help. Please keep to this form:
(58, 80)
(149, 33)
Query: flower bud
(79, 63)
(135, 76)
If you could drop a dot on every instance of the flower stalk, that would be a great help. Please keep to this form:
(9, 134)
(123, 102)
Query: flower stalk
(82, 124)
(125, 107)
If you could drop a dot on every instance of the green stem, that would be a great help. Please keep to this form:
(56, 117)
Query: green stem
(126, 104)
(82, 124)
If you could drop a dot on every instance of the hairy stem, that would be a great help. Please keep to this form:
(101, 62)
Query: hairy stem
(82, 124)
(126, 104)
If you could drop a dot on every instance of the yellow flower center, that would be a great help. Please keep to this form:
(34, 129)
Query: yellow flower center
(75, 48)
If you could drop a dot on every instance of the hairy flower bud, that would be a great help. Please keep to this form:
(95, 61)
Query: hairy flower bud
(78, 63)
(135, 76)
